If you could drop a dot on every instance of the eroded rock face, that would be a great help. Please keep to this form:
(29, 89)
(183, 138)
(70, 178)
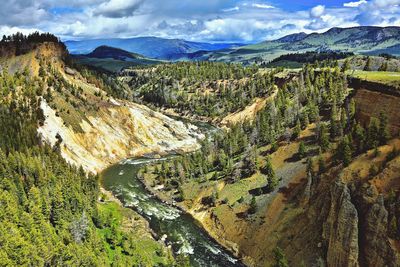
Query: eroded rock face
(340, 231)
(377, 251)
(375, 248)
(370, 103)
(356, 228)
(121, 131)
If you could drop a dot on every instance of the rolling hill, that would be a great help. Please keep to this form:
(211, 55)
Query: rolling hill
(152, 47)
(113, 59)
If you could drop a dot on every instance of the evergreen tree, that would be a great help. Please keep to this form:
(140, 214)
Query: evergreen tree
(384, 66)
(302, 150)
(253, 206)
(269, 172)
(368, 65)
(296, 130)
(343, 152)
(383, 131)
(280, 259)
(346, 65)
(359, 136)
(373, 134)
(323, 138)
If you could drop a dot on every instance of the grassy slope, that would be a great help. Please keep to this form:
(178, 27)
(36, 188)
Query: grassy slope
(385, 77)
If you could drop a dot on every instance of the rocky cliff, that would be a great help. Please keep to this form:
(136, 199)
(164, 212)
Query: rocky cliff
(90, 128)
(341, 228)
(372, 98)
(116, 132)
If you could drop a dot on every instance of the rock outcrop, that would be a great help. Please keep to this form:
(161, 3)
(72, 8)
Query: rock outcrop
(341, 228)
(117, 132)
(369, 103)
(375, 248)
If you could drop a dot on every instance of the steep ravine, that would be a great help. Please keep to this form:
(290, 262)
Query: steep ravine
(341, 221)
(347, 227)
(120, 131)
(128, 130)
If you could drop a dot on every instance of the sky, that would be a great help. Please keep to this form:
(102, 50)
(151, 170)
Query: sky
(241, 21)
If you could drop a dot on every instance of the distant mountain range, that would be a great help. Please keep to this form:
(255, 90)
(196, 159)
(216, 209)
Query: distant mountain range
(360, 40)
(151, 47)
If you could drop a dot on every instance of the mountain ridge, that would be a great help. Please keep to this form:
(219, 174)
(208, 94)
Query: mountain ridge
(360, 40)
(152, 47)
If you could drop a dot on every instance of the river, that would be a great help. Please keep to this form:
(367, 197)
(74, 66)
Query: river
(178, 228)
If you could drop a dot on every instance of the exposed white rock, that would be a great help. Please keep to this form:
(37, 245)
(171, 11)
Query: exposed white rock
(121, 131)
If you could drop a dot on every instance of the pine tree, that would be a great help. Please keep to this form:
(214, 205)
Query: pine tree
(373, 134)
(296, 130)
(269, 172)
(324, 138)
(368, 65)
(302, 150)
(359, 136)
(343, 152)
(250, 161)
(346, 65)
(384, 66)
(253, 205)
(280, 259)
(383, 131)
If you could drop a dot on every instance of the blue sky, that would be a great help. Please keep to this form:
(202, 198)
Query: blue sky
(196, 20)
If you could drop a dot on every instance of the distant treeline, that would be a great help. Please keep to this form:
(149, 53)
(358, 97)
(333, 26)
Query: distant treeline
(35, 37)
(311, 57)
(24, 43)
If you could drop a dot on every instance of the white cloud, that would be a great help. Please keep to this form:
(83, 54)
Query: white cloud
(263, 6)
(317, 11)
(236, 8)
(208, 20)
(385, 3)
(355, 4)
(6, 30)
(118, 8)
(379, 13)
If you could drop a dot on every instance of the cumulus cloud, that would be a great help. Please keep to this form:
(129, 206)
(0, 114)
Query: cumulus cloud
(379, 12)
(6, 30)
(118, 8)
(19, 12)
(354, 4)
(208, 20)
(317, 11)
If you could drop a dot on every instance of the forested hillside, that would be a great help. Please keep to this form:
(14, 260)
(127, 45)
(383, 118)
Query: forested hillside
(304, 164)
(309, 151)
(51, 214)
(205, 88)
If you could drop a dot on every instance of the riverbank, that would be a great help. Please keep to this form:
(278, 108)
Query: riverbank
(200, 213)
(203, 218)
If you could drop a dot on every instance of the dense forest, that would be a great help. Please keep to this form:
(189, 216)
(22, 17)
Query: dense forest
(318, 96)
(233, 154)
(312, 57)
(51, 214)
(54, 214)
(203, 88)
